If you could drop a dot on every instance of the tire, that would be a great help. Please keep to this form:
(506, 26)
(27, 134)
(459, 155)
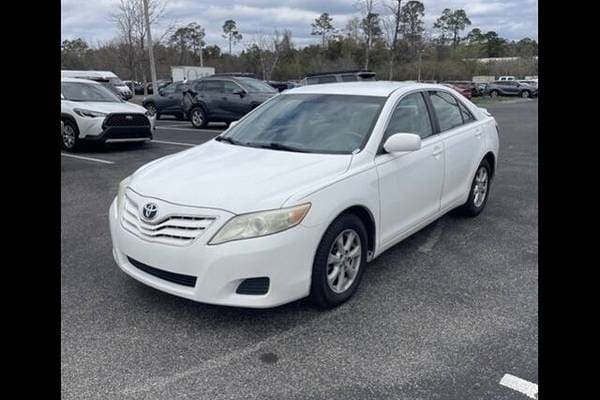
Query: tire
(69, 136)
(475, 204)
(323, 291)
(494, 93)
(198, 118)
(151, 108)
(525, 94)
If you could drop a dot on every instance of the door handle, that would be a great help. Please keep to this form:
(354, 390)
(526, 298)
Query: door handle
(437, 151)
(478, 132)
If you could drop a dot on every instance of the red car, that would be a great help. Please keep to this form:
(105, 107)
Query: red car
(464, 91)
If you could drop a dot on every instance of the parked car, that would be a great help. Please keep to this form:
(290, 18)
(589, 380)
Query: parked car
(298, 196)
(507, 78)
(90, 112)
(159, 83)
(472, 86)
(223, 98)
(106, 77)
(135, 87)
(464, 91)
(510, 88)
(168, 101)
(339, 76)
(530, 82)
(281, 86)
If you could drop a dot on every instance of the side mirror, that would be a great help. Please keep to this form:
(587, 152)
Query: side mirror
(239, 92)
(233, 123)
(402, 142)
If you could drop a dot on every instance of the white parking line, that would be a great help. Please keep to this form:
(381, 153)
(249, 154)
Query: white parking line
(520, 385)
(174, 143)
(87, 158)
(169, 127)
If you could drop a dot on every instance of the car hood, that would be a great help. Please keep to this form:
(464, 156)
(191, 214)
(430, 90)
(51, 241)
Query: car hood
(234, 178)
(107, 107)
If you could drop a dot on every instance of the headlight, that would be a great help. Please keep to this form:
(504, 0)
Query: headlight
(88, 113)
(260, 223)
(121, 194)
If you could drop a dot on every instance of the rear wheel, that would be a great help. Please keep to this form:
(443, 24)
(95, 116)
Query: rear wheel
(198, 118)
(494, 93)
(525, 94)
(339, 262)
(480, 187)
(69, 137)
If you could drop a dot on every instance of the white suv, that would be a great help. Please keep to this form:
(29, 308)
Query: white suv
(298, 196)
(91, 112)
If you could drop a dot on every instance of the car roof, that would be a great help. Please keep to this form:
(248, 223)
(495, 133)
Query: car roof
(364, 88)
(79, 80)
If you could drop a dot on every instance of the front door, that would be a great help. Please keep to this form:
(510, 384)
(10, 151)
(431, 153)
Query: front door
(410, 184)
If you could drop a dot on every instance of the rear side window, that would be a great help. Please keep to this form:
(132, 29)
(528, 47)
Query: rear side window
(229, 86)
(447, 110)
(213, 86)
(466, 114)
(410, 116)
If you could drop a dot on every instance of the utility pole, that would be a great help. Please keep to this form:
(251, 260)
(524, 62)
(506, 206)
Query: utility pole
(150, 48)
(419, 72)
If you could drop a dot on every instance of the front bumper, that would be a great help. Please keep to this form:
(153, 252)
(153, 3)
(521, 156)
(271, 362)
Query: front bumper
(95, 130)
(286, 258)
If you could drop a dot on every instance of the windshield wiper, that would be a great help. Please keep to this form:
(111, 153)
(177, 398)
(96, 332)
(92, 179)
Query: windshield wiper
(278, 146)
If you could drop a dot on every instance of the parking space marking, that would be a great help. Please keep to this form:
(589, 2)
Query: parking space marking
(174, 143)
(87, 158)
(170, 127)
(520, 385)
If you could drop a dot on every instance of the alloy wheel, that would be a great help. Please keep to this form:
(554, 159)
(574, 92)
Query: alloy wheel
(481, 187)
(197, 118)
(68, 136)
(344, 261)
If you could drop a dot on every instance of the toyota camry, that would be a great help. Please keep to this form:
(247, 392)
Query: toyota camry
(297, 197)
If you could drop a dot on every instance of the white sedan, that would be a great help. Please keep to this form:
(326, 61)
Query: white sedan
(91, 112)
(297, 197)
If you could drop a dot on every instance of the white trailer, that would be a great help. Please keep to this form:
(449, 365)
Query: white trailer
(180, 73)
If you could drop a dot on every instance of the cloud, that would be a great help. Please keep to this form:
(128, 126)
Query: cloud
(512, 19)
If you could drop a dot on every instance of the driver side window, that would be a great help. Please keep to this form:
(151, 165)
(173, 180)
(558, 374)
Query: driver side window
(169, 89)
(410, 116)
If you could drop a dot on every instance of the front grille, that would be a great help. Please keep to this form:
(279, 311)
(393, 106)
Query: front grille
(126, 120)
(172, 229)
(253, 286)
(180, 279)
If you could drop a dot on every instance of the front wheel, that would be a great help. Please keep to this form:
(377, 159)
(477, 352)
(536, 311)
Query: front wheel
(478, 194)
(525, 94)
(69, 136)
(198, 118)
(494, 93)
(339, 262)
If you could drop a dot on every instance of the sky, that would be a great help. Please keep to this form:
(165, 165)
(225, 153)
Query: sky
(89, 19)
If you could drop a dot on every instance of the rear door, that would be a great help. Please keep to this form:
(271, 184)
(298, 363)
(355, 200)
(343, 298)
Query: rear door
(463, 145)
(234, 106)
(212, 96)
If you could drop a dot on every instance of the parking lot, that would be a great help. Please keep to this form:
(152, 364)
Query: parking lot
(443, 315)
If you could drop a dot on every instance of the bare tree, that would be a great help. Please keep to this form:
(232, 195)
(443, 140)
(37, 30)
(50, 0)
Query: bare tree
(131, 24)
(391, 26)
(370, 23)
(269, 48)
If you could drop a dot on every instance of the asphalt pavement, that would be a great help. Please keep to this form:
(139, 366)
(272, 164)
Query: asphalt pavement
(443, 315)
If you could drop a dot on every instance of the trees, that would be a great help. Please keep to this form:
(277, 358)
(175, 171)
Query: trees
(188, 39)
(231, 33)
(450, 24)
(411, 19)
(323, 27)
(72, 53)
(370, 26)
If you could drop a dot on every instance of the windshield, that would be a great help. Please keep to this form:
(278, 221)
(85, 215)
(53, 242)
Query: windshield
(79, 91)
(116, 81)
(254, 85)
(315, 123)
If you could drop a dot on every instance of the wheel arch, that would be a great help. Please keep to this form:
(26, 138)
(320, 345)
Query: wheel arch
(491, 159)
(366, 217)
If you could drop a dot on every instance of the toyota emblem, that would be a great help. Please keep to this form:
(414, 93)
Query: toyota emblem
(150, 210)
(128, 117)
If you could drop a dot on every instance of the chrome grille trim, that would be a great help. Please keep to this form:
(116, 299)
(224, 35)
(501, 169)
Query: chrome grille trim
(172, 229)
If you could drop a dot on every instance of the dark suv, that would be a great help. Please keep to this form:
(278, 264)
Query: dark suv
(223, 98)
(167, 101)
(510, 88)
